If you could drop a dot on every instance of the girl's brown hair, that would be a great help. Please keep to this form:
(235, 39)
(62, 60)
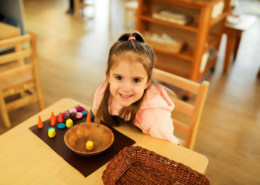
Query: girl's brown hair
(145, 57)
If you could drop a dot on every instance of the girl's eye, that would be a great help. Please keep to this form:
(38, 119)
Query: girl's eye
(118, 77)
(136, 80)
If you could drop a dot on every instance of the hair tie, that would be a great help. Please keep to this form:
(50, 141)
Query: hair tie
(131, 38)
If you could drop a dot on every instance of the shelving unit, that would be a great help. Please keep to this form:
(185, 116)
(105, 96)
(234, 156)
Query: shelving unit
(201, 35)
(192, 27)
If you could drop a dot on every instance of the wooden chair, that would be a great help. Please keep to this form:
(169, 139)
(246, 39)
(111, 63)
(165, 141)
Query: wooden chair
(19, 77)
(194, 111)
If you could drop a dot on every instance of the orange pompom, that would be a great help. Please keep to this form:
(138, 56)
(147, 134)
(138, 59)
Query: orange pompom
(52, 116)
(88, 117)
(60, 118)
(40, 124)
(53, 119)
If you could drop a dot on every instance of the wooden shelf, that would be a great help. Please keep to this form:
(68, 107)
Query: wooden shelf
(189, 27)
(210, 64)
(189, 3)
(213, 42)
(185, 54)
(173, 65)
(200, 36)
(219, 18)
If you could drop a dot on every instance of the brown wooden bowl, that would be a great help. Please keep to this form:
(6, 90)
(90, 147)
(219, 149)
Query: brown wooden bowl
(77, 136)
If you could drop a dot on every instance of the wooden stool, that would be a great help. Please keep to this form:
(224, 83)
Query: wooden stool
(79, 5)
(234, 34)
(130, 9)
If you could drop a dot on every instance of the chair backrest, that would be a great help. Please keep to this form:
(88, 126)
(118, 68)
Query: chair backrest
(12, 65)
(194, 111)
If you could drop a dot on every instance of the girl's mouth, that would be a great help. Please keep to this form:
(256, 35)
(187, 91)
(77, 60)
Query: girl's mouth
(125, 96)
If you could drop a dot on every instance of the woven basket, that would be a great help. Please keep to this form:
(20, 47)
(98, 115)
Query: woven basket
(136, 165)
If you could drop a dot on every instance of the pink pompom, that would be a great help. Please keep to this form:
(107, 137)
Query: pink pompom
(79, 108)
(73, 110)
(79, 115)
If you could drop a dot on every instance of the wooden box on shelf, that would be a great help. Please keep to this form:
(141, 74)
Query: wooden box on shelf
(164, 46)
(163, 42)
(172, 17)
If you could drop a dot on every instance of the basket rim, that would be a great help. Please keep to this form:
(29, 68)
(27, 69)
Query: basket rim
(123, 154)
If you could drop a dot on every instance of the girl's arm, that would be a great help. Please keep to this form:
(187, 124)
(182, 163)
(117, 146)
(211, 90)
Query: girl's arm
(158, 123)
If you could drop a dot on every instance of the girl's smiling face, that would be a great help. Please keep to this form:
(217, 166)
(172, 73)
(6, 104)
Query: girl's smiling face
(128, 79)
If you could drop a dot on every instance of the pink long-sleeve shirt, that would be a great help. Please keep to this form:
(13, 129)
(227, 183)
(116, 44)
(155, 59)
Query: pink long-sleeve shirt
(154, 116)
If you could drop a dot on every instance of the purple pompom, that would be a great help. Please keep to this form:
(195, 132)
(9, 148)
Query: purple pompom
(79, 108)
(65, 113)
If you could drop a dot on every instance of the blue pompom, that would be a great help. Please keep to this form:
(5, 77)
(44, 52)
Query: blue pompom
(50, 128)
(61, 125)
(84, 112)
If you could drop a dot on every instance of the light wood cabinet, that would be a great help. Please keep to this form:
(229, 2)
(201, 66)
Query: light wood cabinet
(201, 35)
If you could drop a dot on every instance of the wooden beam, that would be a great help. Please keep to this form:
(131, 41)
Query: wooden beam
(15, 56)
(21, 102)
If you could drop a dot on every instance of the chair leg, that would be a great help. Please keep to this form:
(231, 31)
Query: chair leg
(41, 104)
(40, 100)
(187, 95)
(4, 112)
(22, 93)
(39, 95)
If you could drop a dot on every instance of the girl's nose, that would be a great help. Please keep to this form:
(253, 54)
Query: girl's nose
(126, 86)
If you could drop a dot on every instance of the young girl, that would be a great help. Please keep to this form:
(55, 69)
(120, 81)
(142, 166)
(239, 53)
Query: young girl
(129, 92)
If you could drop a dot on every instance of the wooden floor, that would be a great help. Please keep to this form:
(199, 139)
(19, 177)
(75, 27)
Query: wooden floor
(72, 59)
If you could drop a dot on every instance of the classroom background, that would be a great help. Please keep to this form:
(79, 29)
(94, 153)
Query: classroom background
(72, 54)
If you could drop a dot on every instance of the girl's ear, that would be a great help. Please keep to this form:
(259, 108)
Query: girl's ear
(148, 83)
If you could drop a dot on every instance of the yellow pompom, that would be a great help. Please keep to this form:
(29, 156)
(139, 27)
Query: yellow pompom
(51, 133)
(69, 123)
(89, 145)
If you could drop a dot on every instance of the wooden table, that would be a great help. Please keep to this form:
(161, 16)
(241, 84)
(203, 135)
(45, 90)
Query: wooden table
(234, 34)
(26, 159)
(8, 31)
